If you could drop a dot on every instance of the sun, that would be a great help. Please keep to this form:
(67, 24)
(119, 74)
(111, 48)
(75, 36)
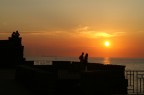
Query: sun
(107, 44)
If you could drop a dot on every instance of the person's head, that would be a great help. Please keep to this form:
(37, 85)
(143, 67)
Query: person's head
(86, 54)
(82, 53)
(17, 31)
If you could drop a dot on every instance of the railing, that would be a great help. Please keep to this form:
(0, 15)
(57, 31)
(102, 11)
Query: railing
(135, 81)
(42, 62)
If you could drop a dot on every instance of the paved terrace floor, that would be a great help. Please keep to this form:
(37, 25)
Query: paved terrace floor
(9, 86)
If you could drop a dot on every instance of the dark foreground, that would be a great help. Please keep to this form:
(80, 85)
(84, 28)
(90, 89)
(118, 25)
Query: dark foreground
(65, 78)
(8, 84)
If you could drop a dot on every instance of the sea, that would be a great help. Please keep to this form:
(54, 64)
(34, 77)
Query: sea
(129, 63)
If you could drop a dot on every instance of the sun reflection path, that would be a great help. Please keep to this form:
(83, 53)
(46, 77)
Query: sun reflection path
(106, 60)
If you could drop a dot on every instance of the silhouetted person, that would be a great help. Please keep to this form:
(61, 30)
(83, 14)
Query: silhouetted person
(86, 58)
(81, 57)
(17, 34)
(13, 35)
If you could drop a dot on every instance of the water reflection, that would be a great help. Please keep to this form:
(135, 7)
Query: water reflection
(106, 60)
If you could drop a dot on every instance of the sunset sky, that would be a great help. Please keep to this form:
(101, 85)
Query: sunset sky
(69, 27)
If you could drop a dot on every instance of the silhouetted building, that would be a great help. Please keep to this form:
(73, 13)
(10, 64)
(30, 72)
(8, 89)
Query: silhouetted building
(11, 51)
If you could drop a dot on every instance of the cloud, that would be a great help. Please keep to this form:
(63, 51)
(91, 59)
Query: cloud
(103, 34)
(24, 32)
(4, 32)
(92, 33)
(119, 33)
(79, 32)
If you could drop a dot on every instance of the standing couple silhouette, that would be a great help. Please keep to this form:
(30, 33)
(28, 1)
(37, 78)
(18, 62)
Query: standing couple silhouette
(83, 59)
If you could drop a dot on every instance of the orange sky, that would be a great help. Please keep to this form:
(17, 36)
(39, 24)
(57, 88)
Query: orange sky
(69, 27)
(72, 44)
